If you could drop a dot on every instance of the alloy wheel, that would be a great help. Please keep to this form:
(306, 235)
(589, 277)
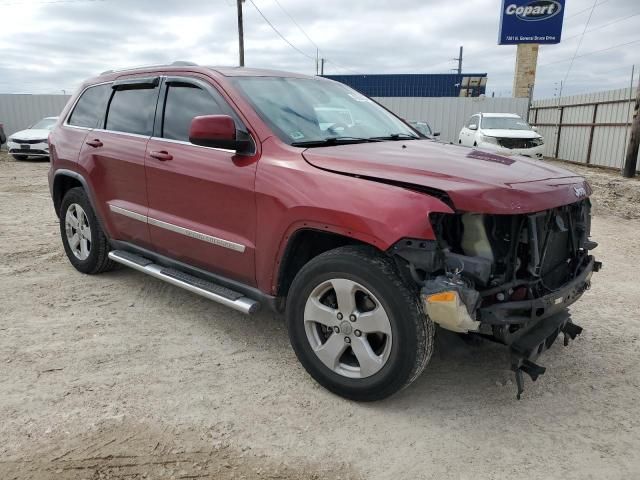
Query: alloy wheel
(78, 231)
(348, 328)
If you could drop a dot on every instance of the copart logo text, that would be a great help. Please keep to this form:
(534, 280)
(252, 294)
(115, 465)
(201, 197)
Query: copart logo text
(535, 11)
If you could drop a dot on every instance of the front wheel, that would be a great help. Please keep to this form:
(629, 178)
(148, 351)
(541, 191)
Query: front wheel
(355, 326)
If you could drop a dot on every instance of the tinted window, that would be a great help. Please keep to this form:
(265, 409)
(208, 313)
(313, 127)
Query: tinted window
(183, 102)
(132, 110)
(91, 106)
(472, 121)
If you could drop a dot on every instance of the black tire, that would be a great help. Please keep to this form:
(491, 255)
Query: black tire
(98, 260)
(411, 329)
(19, 158)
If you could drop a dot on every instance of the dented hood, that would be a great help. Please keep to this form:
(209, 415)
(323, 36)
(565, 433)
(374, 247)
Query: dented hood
(474, 180)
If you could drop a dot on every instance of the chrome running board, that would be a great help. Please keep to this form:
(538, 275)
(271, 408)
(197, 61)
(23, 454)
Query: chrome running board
(204, 288)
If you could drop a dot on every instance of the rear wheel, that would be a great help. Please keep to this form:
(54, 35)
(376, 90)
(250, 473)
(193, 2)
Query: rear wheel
(355, 326)
(84, 241)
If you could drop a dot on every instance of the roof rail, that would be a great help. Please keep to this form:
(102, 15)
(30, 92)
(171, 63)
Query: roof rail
(184, 63)
(177, 63)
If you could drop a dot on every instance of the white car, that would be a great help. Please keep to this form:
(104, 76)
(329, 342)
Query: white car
(503, 133)
(34, 141)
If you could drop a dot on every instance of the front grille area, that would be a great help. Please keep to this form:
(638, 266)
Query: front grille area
(533, 254)
(518, 142)
(28, 142)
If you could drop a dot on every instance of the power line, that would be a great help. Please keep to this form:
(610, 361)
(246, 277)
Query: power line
(618, 20)
(297, 24)
(340, 66)
(279, 34)
(586, 9)
(595, 2)
(591, 53)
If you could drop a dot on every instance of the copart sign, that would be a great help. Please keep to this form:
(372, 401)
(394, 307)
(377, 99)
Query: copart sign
(531, 21)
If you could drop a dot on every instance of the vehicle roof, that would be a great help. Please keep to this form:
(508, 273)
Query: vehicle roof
(507, 115)
(256, 72)
(223, 71)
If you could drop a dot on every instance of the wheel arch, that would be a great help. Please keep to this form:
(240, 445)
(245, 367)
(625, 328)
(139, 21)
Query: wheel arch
(63, 181)
(304, 244)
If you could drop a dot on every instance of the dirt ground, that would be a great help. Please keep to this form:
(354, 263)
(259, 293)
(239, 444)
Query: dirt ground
(122, 376)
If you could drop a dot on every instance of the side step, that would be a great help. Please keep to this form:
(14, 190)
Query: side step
(204, 288)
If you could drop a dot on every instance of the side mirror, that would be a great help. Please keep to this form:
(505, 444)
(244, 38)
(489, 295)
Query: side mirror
(218, 131)
(534, 128)
(473, 126)
(436, 134)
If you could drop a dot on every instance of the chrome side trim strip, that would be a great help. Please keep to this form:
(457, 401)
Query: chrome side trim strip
(220, 242)
(128, 213)
(197, 235)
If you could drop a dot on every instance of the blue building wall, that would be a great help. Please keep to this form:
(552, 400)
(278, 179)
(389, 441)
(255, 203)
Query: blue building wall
(409, 84)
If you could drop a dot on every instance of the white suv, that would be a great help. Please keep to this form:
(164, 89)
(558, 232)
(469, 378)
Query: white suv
(504, 133)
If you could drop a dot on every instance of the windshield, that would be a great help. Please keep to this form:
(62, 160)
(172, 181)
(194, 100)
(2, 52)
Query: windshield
(506, 123)
(45, 124)
(303, 111)
(422, 127)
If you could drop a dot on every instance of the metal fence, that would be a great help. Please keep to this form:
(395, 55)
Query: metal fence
(592, 129)
(18, 111)
(447, 115)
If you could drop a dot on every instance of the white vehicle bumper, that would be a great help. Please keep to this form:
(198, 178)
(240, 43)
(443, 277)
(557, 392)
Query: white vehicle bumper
(40, 149)
(534, 152)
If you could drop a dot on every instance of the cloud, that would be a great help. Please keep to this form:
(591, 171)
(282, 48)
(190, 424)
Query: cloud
(51, 47)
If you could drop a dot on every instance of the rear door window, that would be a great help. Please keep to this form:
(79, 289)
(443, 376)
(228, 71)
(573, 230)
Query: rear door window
(90, 107)
(131, 110)
(183, 102)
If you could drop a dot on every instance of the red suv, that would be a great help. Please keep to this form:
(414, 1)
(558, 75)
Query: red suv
(257, 188)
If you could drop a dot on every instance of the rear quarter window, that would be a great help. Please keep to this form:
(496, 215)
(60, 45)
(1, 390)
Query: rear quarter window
(89, 109)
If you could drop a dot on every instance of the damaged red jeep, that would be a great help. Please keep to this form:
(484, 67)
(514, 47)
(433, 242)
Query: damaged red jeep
(266, 189)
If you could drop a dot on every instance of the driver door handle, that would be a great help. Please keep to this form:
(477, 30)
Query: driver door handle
(162, 155)
(95, 143)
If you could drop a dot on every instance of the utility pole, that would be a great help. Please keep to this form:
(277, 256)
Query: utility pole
(240, 33)
(459, 60)
(322, 66)
(634, 140)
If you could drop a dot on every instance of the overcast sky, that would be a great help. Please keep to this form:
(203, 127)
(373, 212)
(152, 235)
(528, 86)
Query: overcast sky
(47, 46)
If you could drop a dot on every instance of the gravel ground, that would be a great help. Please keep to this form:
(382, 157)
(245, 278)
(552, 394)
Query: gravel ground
(122, 376)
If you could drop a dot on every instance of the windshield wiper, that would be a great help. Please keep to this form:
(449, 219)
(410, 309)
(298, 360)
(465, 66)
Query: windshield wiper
(333, 141)
(396, 136)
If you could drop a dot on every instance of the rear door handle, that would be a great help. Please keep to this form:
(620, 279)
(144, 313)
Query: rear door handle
(162, 155)
(95, 143)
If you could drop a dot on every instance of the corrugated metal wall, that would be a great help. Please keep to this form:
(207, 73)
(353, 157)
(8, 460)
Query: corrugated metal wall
(592, 128)
(18, 111)
(447, 115)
